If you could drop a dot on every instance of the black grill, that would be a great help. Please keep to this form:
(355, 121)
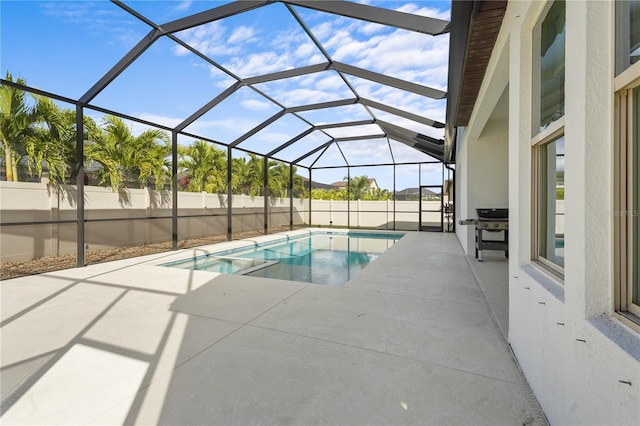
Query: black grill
(493, 214)
(492, 220)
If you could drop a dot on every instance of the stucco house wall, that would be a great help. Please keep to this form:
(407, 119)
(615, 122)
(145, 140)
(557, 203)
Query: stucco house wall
(484, 176)
(582, 363)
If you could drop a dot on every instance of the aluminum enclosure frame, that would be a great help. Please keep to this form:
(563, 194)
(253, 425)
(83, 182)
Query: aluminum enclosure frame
(423, 143)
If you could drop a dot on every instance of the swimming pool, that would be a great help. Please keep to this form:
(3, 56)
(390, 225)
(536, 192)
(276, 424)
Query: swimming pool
(320, 257)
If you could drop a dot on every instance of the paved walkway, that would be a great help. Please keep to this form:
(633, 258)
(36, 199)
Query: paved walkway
(410, 340)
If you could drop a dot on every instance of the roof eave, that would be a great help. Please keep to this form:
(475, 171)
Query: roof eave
(472, 22)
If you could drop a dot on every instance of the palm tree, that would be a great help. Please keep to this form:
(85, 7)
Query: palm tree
(39, 132)
(251, 175)
(125, 158)
(377, 194)
(239, 175)
(17, 124)
(357, 186)
(281, 173)
(91, 133)
(206, 166)
(298, 184)
(248, 177)
(52, 144)
(278, 179)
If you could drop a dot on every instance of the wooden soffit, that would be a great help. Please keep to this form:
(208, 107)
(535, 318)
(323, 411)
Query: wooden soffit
(483, 30)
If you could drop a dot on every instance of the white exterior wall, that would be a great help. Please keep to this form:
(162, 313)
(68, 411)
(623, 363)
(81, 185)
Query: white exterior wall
(462, 211)
(574, 352)
(482, 174)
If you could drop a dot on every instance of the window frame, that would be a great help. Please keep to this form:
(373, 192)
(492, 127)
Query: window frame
(537, 145)
(623, 214)
(626, 196)
(539, 138)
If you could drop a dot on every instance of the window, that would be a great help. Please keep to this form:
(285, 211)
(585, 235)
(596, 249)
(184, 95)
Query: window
(551, 202)
(634, 304)
(549, 51)
(548, 137)
(627, 34)
(627, 160)
(627, 208)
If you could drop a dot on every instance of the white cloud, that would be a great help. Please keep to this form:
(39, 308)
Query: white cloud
(336, 114)
(372, 28)
(258, 63)
(271, 138)
(335, 36)
(287, 39)
(208, 39)
(312, 88)
(223, 130)
(305, 50)
(366, 151)
(304, 145)
(246, 54)
(306, 96)
(242, 34)
(331, 83)
(156, 118)
(316, 59)
(323, 30)
(183, 5)
(425, 11)
(419, 58)
(363, 130)
(256, 105)
(349, 48)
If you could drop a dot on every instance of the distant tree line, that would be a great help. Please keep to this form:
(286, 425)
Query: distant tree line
(356, 188)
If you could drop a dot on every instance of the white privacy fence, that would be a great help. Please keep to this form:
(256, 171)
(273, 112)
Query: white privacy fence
(37, 221)
(387, 214)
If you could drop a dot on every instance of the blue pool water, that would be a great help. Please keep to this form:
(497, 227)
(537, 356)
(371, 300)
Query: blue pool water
(320, 258)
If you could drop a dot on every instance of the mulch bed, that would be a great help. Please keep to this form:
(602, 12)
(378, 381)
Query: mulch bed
(54, 263)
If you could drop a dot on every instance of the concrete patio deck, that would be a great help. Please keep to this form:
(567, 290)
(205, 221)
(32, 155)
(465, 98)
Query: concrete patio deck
(413, 339)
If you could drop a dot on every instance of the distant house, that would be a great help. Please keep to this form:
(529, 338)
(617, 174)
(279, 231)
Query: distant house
(21, 171)
(413, 194)
(408, 194)
(315, 185)
(342, 184)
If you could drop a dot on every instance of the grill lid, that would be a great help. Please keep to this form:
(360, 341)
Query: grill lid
(492, 214)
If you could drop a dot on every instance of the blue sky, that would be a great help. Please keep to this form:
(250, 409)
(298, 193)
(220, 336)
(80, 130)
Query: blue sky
(64, 47)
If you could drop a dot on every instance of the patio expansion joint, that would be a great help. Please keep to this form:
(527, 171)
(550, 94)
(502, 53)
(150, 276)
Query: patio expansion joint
(383, 353)
(178, 365)
(277, 304)
(240, 324)
(418, 297)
